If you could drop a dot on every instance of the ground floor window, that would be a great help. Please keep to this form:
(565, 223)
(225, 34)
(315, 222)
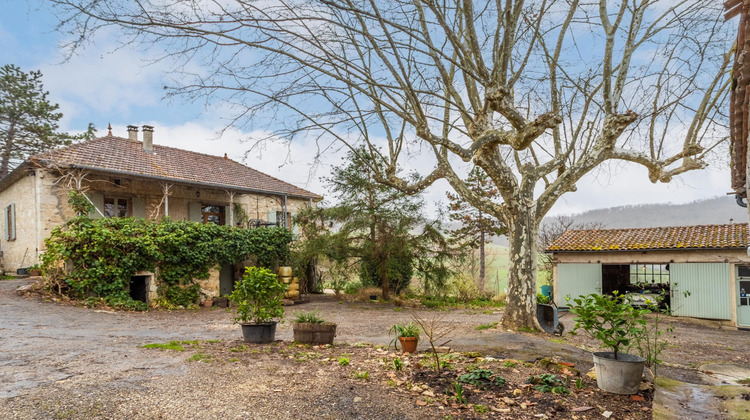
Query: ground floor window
(213, 214)
(284, 221)
(116, 207)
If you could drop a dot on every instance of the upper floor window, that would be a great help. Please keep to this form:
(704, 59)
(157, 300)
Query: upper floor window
(213, 214)
(116, 207)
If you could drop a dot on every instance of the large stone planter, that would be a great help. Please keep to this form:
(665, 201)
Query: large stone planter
(259, 333)
(618, 376)
(317, 334)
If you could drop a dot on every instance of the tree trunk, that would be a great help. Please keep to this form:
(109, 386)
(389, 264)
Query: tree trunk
(520, 304)
(384, 280)
(481, 261)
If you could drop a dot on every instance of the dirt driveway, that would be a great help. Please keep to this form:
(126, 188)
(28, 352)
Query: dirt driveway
(55, 359)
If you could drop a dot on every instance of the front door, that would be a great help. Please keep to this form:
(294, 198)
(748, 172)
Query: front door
(743, 296)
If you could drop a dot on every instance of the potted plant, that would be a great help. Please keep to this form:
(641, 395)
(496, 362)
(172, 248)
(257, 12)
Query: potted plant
(35, 270)
(309, 328)
(258, 297)
(614, 322)
(407, 335)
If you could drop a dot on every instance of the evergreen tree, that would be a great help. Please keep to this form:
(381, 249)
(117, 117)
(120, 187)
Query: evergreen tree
(379, 229)
(477, 227)
(28, 121)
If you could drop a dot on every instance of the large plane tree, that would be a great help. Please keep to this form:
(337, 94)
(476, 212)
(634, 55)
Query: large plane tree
(536, 93)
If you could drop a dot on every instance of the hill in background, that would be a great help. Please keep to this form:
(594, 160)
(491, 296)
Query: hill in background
(711, 211)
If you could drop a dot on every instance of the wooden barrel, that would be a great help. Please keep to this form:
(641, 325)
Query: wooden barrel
(314, 333)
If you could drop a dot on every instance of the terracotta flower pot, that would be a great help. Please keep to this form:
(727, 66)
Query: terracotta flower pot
(408, 344)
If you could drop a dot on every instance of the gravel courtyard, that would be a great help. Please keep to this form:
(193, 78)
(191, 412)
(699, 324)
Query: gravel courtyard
(62, 361)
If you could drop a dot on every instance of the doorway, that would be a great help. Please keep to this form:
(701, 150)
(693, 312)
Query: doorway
(138, 288)
(226, 280)
(615, 278)
(743, 296)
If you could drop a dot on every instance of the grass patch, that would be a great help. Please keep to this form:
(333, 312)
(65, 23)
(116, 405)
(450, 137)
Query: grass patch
(487, 326)
(172, 345)
(361, 376)
(200, 357)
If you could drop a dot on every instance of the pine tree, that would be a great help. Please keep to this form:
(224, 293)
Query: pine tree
(477, 227)
(28, 121)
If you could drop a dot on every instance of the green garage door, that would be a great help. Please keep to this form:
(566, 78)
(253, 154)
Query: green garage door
(707, 286)
(574, 280)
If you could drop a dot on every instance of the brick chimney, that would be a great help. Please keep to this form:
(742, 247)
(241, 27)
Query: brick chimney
(133, 132)
(148, 138)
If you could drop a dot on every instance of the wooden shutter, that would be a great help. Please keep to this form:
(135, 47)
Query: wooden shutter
(295, 227)
(97, 199)
(272, 216)
(194, 212)
(10, 222)
(139, 207)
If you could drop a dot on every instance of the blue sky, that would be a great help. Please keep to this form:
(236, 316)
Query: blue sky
(106, 83)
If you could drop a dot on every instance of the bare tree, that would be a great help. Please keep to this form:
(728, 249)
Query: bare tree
(536, 93)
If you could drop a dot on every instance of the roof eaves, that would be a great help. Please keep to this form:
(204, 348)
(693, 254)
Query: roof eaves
(570, 251)
(14, 175)
(196, 183)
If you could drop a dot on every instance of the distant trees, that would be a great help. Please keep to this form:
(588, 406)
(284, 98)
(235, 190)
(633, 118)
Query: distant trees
(477, 227)
(374, 230)
(28, 121)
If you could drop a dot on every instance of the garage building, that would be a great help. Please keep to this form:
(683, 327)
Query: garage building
(705, 269)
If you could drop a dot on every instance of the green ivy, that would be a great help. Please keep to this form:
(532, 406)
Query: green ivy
(103, 254)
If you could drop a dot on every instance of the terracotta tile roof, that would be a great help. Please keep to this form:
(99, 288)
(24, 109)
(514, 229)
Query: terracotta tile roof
(659, 238)
(120, 155)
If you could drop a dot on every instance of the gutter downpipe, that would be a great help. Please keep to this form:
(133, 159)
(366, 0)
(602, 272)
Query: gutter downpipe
(285, 226)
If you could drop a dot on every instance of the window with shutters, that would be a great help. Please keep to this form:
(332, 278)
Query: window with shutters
(213, 214)
(116, 207)
(280, 219)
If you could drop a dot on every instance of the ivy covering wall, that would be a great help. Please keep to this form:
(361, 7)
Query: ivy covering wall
(101, 255)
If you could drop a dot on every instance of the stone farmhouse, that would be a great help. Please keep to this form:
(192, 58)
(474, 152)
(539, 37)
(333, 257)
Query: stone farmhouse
(125, 177)
(704, 269)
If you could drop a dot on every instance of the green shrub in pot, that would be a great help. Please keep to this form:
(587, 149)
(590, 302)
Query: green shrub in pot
(609, 319)
(258, 296)
(615, 323)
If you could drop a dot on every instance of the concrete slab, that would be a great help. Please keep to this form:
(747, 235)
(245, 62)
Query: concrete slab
(682, 400)
(725, 374)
